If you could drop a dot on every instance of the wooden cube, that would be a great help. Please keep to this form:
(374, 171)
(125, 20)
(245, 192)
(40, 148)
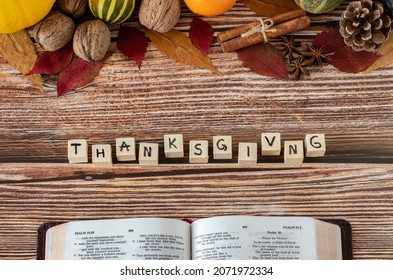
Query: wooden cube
(102, 155)
(248, 153)
(77, 151)
(173, 146)
(315, 145)
(148, 153)
(125, 149)
(271, 144)
(199, 151)
(293, 152)
(222, 147)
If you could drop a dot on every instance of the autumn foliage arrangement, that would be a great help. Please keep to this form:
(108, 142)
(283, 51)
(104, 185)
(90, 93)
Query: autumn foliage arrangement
(76, 38)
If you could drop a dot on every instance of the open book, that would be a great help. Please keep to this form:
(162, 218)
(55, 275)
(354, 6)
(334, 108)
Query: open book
(219, 238)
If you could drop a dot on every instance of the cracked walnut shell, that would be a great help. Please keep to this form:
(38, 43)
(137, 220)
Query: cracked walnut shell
(91, 40)
(159, 15)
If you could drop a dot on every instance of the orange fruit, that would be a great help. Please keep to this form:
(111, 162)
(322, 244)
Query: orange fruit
(209, 8)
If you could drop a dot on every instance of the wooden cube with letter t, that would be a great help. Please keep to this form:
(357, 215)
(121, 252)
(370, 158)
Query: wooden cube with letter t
(77, 151)
(293, 152)
(315, 145)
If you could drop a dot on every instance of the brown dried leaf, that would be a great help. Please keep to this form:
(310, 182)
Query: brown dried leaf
(178, 46)
(386, 53)
(18, 50)
(270, 8)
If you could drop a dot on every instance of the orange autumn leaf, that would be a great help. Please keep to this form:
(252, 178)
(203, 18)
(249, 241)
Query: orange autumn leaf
(18, 50)
(270, 8)
(179, 47)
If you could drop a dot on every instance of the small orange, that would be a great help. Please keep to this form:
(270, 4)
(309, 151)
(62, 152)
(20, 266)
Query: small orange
(209, 8)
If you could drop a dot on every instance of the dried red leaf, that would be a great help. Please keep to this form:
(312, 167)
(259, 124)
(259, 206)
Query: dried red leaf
(330, 39)
(78, 74)
(133, 43)
(201, 34)
(264, 59)
(350, 61)
(53, 62)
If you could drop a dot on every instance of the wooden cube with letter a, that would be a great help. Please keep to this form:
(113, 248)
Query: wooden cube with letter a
(173, 146)
(77, 151)
(315, 145)
(293, 152)
(248, 154)
(148, 153)
(222, 147)
(102, 155)
(199, 151)
(125, 149)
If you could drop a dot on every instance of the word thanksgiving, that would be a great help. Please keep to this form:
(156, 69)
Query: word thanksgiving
(313, 145)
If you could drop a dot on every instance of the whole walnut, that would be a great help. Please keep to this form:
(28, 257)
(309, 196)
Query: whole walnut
(54, 31)
(74, 8)
(159, 15)
(91, 40)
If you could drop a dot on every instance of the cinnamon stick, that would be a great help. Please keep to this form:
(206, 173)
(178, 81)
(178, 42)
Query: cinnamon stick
(276, 31)
(237, 31)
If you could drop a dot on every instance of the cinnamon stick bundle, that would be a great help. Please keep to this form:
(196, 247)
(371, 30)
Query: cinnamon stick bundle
(282, 24)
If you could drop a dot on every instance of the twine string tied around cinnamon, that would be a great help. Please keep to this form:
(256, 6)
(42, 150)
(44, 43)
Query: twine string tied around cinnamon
(264, 27)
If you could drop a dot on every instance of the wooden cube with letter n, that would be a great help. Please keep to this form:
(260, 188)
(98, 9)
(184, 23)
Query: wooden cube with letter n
(293, 152)
(77, 151)
(199, 151)
(102, 155)
(315, 145)
(148, 153)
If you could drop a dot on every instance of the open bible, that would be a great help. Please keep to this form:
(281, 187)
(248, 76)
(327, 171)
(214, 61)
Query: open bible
(218, 238)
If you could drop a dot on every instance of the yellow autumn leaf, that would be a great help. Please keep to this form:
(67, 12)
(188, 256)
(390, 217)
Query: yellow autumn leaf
(270, 8)
(178, 46)
(18, 50)
(386, 53)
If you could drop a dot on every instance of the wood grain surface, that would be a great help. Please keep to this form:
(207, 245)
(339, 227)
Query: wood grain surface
(36, 193)
(353, 181)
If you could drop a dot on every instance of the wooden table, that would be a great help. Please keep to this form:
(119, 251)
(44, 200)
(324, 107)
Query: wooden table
(353, 181)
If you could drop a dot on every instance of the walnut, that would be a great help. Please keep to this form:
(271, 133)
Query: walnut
(74, 8)
(159, 15)
(54, 31)
(91, 40)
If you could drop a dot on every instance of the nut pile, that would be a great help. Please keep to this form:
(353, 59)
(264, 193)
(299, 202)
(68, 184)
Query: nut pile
(91, 39)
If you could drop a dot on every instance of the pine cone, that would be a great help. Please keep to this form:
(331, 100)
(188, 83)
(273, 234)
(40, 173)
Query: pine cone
(365, 25)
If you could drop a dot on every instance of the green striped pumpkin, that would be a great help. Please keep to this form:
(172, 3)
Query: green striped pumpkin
(318, 6)
(112, 11)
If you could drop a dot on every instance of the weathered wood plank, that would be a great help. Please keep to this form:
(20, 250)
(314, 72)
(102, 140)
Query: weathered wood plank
(35, 193)
(354, 111)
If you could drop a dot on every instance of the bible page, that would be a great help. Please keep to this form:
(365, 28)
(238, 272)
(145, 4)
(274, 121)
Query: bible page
(120, 239)
(255, 238)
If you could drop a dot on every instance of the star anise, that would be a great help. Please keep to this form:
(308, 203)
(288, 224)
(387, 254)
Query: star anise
(298, 67)
(316, 54)
(289, 47)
